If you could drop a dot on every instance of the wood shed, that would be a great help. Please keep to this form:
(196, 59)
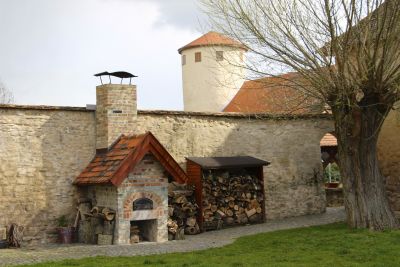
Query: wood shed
(229, 190)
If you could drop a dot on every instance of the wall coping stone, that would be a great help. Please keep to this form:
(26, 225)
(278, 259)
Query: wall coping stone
(44, 107)
(180, 113)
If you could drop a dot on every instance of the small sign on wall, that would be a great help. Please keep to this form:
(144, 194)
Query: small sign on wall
(3, 233)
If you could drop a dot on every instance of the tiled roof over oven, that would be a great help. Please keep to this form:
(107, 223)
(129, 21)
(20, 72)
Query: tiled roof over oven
(113, 166)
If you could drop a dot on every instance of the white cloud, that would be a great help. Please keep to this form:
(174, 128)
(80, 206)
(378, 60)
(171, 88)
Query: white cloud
(179, 13)
(182, 13)
(51, 48)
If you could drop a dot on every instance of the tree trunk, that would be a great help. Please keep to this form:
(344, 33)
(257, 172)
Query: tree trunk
(365, 195)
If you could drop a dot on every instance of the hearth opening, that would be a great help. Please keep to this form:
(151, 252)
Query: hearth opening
(143, 204)
(142, 231)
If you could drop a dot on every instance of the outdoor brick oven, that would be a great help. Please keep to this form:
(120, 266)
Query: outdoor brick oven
(129, 173)
(132, 178)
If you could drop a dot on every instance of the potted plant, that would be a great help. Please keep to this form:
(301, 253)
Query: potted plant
(332, 175)
(64, 230)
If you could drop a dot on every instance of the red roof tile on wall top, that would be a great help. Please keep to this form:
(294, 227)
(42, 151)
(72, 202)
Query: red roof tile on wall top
(273, 95)
(114, 165)
(213, 38)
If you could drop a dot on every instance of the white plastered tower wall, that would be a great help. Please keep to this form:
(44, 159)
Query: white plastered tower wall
(209, 85)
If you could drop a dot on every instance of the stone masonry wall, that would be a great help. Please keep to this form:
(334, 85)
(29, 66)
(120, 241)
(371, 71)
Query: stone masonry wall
(103, 196)
(389, 157)
(41, 152)
(43, 149)
(293, 184)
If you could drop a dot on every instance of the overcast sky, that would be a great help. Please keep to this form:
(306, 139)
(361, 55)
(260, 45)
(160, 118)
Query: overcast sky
(50, 49)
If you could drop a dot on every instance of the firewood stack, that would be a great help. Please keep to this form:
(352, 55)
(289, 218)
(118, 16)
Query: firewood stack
(182, 211)
(94, 221)
(231, 199)
(15, 235)
(103, 212)
(135, 234)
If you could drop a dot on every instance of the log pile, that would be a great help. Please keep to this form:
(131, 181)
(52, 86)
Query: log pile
(136, 237)
(182, 211)
(94, 221)
(15, 235)
(231, 199)
(104, 213)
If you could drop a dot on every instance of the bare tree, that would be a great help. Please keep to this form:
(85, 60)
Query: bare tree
(6, 96)
(346, 54)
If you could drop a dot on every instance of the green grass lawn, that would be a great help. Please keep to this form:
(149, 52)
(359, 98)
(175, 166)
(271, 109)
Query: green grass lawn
(329, 245)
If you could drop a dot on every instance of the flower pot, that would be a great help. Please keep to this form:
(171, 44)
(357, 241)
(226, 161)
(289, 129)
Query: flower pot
(3, 244)
(75, 235)
(331, 185)
(65, 235)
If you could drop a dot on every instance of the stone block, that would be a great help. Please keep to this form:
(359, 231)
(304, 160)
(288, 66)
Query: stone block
(104, 239)
(3, 233)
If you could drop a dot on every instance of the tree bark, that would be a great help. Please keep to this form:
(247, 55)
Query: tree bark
(365, 196)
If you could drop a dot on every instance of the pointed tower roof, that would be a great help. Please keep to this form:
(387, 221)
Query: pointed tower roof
(113, 166)
(213, 38)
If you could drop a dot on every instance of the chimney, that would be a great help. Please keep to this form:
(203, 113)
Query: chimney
(116, 112)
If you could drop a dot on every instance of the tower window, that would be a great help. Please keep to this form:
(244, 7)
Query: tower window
(197, 57)
(219, 55)
(183, 60)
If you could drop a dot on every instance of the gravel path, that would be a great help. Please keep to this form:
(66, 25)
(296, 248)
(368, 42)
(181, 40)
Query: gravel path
(206, 240)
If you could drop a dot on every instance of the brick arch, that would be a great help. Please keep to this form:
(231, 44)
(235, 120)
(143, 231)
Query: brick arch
(157, 202)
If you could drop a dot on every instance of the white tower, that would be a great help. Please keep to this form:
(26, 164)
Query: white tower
(212, 72)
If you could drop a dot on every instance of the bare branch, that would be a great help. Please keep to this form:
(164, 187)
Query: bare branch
(345, 53)
(6, 96)
(362, 50)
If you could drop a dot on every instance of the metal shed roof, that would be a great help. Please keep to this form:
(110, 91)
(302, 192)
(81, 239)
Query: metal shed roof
(228, 162)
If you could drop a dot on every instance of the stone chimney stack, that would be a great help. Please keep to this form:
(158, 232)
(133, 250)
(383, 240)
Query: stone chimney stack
(116, 112)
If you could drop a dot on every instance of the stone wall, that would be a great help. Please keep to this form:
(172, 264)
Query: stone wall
(389, 157)
(334, 197)
(102, 195)
(293, 180)
(42, 149)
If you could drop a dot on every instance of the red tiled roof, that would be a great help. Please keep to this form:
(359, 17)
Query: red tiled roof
(213, 38)
(114, 165)
(328, 140)
(276, 95)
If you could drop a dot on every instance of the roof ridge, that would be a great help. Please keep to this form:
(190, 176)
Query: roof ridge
(113, 166)
(274, 76)
(213, 38)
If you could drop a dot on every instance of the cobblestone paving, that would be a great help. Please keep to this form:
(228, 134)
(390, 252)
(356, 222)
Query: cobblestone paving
(206, 240)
